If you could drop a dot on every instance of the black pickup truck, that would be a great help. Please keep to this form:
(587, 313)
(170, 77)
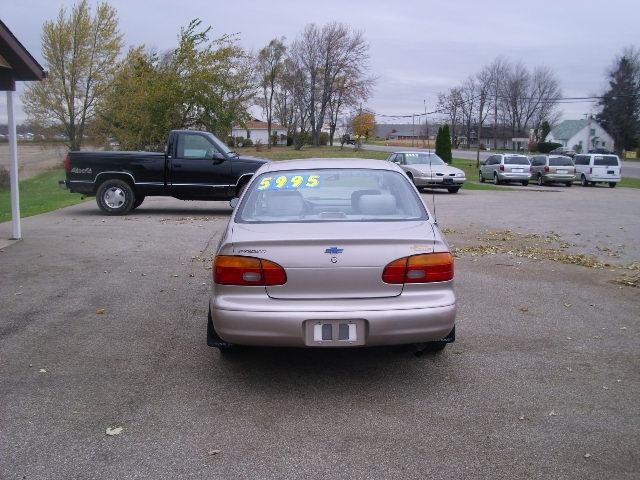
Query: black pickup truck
(195, 166)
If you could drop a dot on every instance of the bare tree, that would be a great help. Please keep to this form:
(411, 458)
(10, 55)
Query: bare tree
(498, 69)
(450, 104)
(269, 66)
(80, 51)
(483, 82)
(468, 105)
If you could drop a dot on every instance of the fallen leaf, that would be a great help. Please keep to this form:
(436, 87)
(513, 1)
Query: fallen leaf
(214, 452)
(604, 387)
(524, 309)
(587, 455)
(113, 431)
(569, 338)
(42, 370)
(174, 276)
(521, 417)
(567, 305)
(553, 414)
(101, 311)
(623, 328)
(569, 369)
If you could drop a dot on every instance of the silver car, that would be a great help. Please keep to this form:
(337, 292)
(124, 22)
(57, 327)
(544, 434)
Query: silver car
(505, 168)
(428, 170)
(328, 253)
(552, 169)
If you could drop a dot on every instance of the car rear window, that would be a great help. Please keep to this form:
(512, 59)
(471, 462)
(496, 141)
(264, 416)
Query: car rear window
(560, 162)
(605, 161)
(330, 195)
(516, 161)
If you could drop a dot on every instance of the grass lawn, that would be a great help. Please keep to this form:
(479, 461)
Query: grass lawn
(39, 194)
(629, 182)
(289, 153)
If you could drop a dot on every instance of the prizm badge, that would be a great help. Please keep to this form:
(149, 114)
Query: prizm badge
(252, 250)
(334, 250)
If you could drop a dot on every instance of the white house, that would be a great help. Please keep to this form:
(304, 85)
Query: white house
(257, 130)
(581, 135)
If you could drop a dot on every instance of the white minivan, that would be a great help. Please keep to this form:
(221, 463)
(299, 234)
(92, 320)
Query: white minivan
(595, 168)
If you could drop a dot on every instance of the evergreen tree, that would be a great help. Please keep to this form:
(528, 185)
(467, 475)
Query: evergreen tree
(620, 114)
(439, 142)
(446, 144)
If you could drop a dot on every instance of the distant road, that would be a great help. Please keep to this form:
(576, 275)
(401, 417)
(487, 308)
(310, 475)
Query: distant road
(629, 169)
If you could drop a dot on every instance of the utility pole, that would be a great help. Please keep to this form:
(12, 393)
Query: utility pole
(413, 121)
(424, 102)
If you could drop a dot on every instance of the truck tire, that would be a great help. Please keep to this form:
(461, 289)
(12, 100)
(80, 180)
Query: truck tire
(115, 197)
(138, 202)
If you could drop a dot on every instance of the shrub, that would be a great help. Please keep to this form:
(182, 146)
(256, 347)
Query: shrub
(546, 147)
(230, 141)
(299, 139)
(5, 179)
(324, 139)
(258, 145)
(289, 140)
(247, 142)
(239, 141)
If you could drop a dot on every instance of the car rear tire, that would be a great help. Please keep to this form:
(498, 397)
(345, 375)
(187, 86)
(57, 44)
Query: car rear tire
(540, 181)
(496, 180)
(569, 184)
(583, 181)
(525, 183)
(453, 189)
(429, 347)
(214, 340)
(612, 184)
(480, 177)
(115, 197)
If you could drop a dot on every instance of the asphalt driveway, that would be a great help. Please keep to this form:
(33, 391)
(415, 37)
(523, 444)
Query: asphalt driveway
(103, 325)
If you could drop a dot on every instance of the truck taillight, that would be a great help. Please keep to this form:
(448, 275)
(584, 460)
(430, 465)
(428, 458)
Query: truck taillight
(424, 268)
(240, 270)
(546, 168)
(67, 163)
(502, 168)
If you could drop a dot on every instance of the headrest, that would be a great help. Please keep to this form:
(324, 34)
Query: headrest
(284, 203)
(381, 204)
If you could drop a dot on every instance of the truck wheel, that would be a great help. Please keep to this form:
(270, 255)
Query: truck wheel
(138, 202)
(453, 189)
(115, 197)
(583, 181)
(612, 184)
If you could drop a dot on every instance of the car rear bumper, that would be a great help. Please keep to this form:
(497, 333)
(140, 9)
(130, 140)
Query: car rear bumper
(559, 177)
(514, 177)
(288, 328)
(603, 178)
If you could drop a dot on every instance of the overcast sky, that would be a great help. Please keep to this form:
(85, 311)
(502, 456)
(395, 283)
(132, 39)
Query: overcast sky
(418, 47)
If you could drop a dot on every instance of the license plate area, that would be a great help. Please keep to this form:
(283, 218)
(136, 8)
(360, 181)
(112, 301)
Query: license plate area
(610, 172)
(517, 170)
(334, 333)
(447, 181)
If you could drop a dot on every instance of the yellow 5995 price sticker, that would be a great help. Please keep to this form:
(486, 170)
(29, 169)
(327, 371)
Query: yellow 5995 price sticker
(289, 182)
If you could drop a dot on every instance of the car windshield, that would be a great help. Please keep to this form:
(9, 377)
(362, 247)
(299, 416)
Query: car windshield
(419, 158)
(560, 162)
(606, 161)
(516, 161)
(330, 195)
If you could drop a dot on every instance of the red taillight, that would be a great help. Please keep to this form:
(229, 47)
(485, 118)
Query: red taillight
(546, 168)
(239, 270)
(67, 163)
(502, 168)
(425, 268)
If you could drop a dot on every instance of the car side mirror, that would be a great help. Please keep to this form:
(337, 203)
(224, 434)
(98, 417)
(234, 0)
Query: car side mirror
(218, 157)
(233, 202)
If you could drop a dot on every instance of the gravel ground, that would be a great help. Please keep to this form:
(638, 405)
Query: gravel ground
(103, 325)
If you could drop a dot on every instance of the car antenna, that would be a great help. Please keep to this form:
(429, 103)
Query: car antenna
(433, 192)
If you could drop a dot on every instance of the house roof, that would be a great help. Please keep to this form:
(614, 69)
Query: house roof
(258, 125)
(568, 128)
(16, 63)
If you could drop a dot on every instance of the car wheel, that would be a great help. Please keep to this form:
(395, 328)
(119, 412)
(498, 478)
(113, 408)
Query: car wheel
(214, 340)
(453, 189)
(569, 184)
(525, 183)
(115, 197)
(540, 181)
(612, 184)
(583, 181)
(496, 180)
(138, 202)
(480, 177)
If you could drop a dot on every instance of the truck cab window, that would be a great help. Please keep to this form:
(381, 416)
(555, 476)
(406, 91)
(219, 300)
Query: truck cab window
(195, 146)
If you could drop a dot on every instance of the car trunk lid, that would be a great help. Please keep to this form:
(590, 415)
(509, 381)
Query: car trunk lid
(329, 260)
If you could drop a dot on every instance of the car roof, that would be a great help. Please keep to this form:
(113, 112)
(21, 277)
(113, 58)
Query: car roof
(315, 163)
(414, 151)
